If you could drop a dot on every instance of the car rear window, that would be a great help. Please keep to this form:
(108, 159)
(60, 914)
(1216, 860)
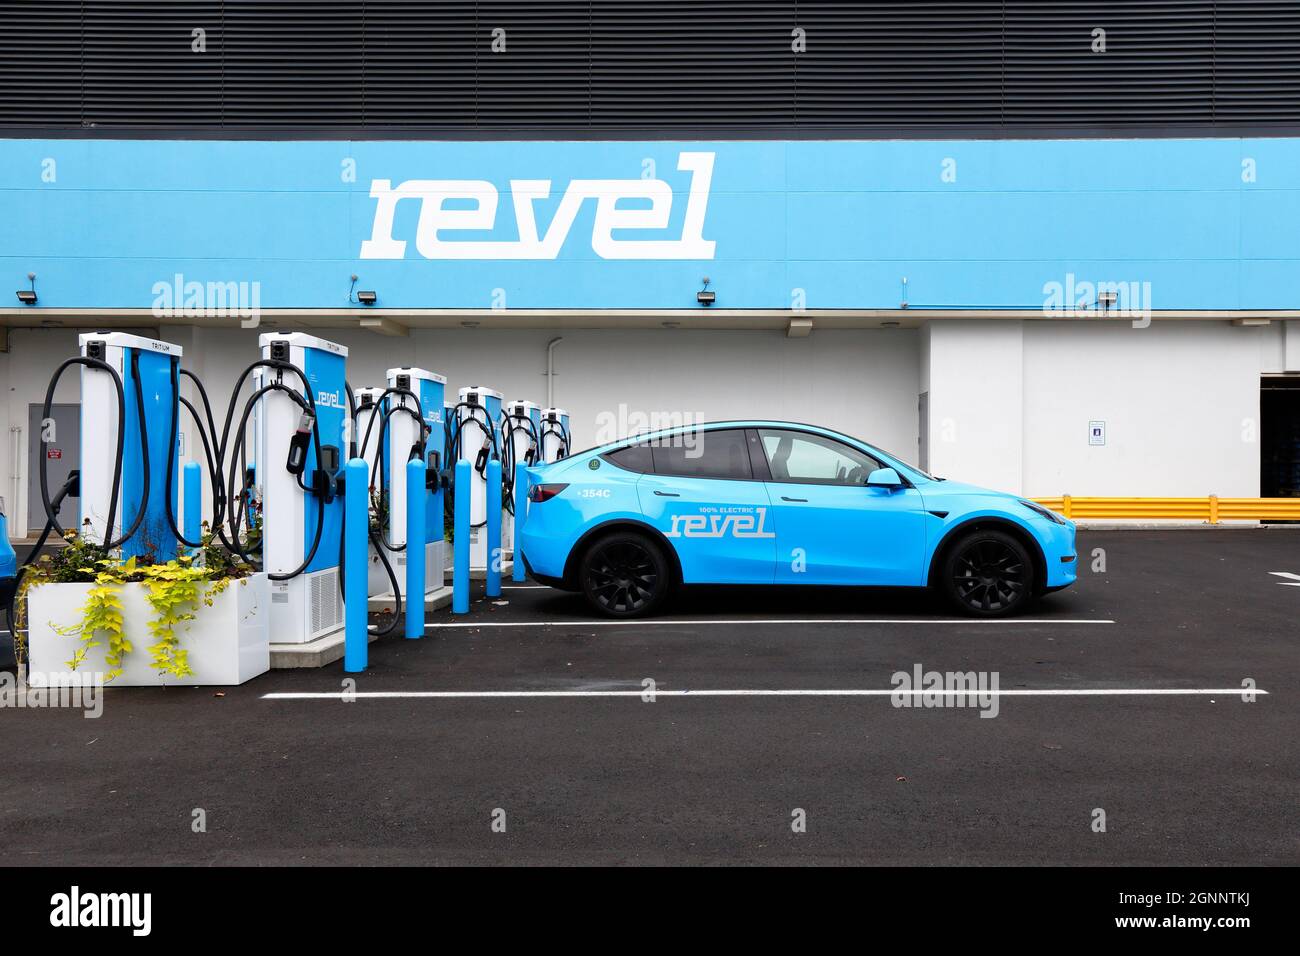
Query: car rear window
(632, 458)
(704, 454)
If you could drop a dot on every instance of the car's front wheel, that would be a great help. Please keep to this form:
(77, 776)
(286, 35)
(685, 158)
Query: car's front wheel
(625, 574)
(988, 574)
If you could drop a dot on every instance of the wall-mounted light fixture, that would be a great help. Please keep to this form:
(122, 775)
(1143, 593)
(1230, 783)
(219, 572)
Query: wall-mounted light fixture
(28, 296)
(365, 297)
(704, 296)
(1107, 299)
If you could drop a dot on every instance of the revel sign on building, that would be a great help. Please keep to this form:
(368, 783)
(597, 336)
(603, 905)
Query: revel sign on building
(1209, 223)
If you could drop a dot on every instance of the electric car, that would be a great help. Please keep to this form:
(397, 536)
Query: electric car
(762, 503)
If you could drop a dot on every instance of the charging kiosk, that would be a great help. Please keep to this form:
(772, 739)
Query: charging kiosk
(478, 414)
(555, 440)
(145, 368)
(367, 405)
(520, 444)
(366, 422)
(403, 440)
(298, 525)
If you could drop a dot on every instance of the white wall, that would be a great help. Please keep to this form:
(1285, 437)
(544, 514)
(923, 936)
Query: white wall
(975, 384)
(1280, 347)
(863, 382)
(1180, 401)
(1011, 403)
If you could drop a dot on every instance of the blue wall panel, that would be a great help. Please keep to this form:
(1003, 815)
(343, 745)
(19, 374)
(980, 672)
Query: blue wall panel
(843, 221)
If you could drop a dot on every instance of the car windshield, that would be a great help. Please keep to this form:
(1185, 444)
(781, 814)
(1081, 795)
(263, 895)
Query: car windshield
(895, 460)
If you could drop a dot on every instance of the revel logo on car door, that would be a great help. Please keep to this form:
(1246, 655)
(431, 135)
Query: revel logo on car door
(703, 497)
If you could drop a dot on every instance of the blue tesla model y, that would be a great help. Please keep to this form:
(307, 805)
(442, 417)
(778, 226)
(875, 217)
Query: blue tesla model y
(760, 502)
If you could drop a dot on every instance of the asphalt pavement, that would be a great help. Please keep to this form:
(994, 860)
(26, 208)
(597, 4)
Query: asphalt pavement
(745, 726)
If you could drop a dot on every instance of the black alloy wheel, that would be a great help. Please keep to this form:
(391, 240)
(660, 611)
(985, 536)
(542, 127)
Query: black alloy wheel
(625, 575)
(989, 574)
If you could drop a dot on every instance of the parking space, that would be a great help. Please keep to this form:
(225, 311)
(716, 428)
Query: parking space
(696, 736)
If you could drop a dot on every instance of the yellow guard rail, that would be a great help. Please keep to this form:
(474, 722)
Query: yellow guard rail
(1212, 509)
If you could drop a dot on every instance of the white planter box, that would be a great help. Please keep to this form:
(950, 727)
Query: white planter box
(228, 643)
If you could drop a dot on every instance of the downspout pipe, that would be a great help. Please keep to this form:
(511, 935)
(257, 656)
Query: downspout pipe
(550, 370)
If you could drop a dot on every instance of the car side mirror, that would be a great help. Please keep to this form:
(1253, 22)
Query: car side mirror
(884, 478)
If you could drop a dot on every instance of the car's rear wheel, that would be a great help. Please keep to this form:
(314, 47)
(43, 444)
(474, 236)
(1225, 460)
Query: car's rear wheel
(625, 574)
(988, 574)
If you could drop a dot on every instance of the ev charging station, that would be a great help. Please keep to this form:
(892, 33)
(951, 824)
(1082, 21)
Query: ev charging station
(520, 444)
(404, 440)
(145, 369)
(366, 422)
(367, 405)
(555, 440)
(478, 414)
(299, 528)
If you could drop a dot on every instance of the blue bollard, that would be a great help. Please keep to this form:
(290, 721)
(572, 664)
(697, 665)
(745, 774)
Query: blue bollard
(460, 546)
(494, 555)
(416, 506)
(192, 484)
(356, 560)
(521, 512)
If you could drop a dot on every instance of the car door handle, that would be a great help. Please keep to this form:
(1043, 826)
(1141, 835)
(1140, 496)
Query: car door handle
(667, 494)
(784, 498)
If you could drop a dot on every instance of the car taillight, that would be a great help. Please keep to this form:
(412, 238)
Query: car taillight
(545, 492)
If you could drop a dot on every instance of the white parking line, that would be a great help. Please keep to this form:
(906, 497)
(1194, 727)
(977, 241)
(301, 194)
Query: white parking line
(777, 692)
(775, 620)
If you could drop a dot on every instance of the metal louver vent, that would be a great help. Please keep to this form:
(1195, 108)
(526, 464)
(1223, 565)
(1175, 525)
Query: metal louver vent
(467, 68)
(326, 608)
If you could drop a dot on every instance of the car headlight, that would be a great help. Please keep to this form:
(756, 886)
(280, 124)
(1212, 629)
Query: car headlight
(1042, 512)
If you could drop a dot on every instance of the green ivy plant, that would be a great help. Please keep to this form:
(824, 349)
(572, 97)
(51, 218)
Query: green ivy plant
(174, 590)
(101, 614)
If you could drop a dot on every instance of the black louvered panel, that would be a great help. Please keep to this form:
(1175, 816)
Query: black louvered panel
(1010, 67)
(293, 63)
(133, 51)
(540, 78)
(697, 64)
(923, 63)
(420, 64)
(1157, 67)
(40, 63)
(1257, 61)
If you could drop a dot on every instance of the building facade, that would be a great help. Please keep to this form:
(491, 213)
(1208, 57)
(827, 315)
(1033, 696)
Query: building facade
(1050, 273)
